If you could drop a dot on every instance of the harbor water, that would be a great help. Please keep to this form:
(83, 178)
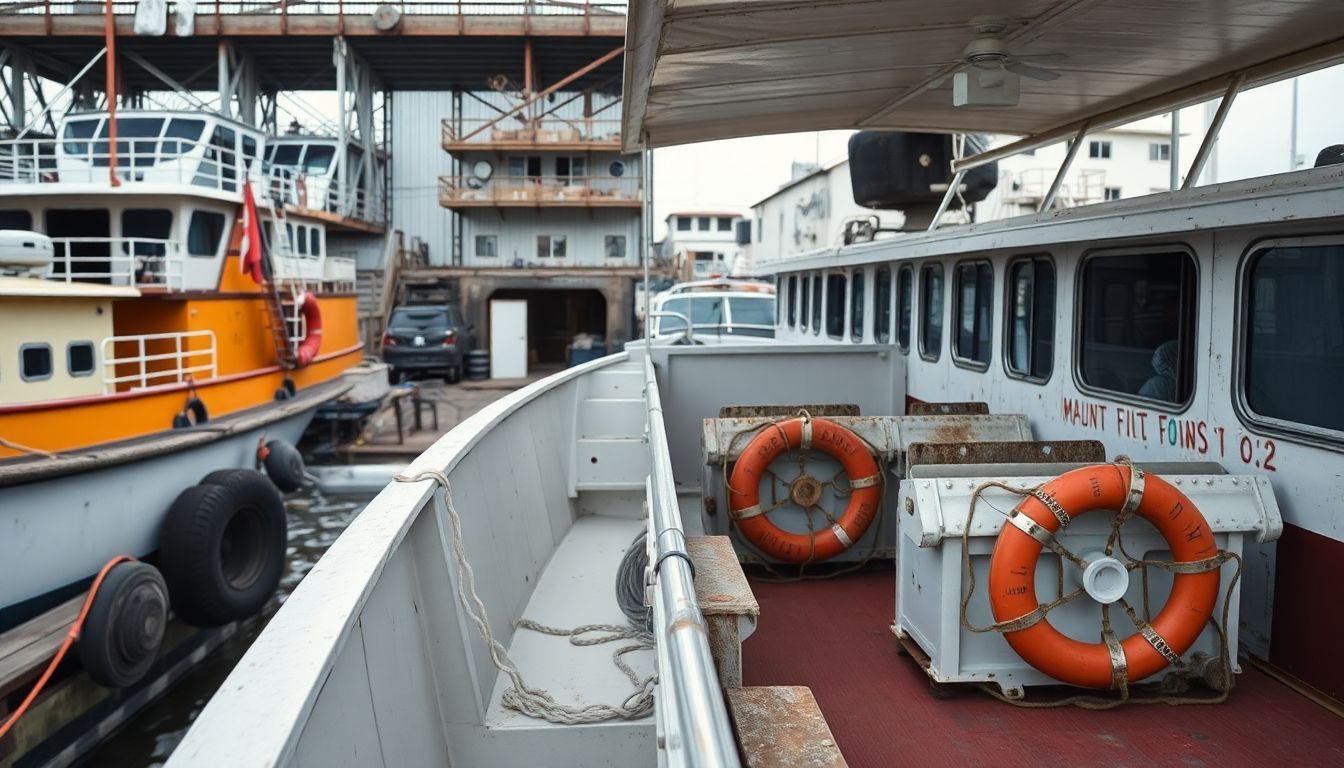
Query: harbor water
(315, 520)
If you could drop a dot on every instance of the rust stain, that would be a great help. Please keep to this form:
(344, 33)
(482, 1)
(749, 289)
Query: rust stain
(782, 726)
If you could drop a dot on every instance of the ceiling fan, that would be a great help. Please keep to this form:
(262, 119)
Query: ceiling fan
(989, 53)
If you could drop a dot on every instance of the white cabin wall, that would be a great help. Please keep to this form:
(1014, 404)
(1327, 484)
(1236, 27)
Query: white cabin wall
(516, 230)
(418, 160)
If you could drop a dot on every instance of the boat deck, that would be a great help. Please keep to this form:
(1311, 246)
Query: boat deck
(834, 635)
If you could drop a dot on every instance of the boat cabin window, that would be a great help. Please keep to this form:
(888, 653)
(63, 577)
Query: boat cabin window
(974, 311)
(1294, 334)
(806, 301)
(882, 306)
(1137, 330)
(835, 306)
(35, 362)
(181, 136)
(1030, 334)
(793, 301)
(137, 142)
(816, 305)
(140, 226)
(856, 307)
(79, 129)
(751, 316)
(16, 218)
(286, 154)
(300, 240)
(314, 241)
(317, 159)
(205, 233)
(905, 306)
(931, 311)
(79, 358)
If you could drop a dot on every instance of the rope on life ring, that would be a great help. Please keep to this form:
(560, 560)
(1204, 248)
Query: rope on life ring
(804, 432)
(312, 339)
(1032, 526)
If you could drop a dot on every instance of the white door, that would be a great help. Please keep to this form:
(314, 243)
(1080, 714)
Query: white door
(508, 339)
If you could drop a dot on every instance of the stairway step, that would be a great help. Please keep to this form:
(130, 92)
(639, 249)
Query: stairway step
(611, 463)
(611, 417)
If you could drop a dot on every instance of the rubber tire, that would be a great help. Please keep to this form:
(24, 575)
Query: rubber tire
(192, 539)
(198, 411)
(123, 633)
(284, 466)
(282, 394)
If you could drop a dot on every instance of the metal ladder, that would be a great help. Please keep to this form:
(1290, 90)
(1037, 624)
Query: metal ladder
(276, 323)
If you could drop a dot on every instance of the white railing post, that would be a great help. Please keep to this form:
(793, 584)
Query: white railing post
(144, 379)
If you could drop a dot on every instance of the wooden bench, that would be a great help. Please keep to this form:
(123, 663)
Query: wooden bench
(780, 726)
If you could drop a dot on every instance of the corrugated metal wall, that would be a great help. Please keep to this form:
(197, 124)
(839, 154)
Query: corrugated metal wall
(418, 160)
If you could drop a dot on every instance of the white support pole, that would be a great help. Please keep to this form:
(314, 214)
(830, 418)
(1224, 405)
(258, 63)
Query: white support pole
(947, 199)
(1174, 156)
(646, 234)
(341, 171)
(1211, 138)
(1049, 199)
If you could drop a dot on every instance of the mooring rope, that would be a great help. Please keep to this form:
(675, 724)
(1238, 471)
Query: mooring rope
(537, 702)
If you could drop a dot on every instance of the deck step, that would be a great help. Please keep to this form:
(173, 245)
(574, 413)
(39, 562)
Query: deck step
(611, 463)
(619, 382)
(611, 417)
(726, 601)
(781, 726)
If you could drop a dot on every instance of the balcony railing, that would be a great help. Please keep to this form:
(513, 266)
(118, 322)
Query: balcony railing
(155, 359)
(329, 8)
(340, 270)
(534, 191)
(324, 194)
(543, 132)
(142, 262)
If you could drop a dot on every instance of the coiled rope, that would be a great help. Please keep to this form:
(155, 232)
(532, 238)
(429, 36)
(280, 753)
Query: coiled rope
(537, 702)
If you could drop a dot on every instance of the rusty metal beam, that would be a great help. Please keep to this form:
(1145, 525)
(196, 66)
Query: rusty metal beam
(328, 25)
(571, 77)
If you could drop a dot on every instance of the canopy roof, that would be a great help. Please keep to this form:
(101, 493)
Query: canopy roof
(708, 69)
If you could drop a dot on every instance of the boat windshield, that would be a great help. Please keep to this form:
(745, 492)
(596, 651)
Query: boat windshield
(704, 312)
(752, 315)
(318, 159)
(286, 154)
(138, 139)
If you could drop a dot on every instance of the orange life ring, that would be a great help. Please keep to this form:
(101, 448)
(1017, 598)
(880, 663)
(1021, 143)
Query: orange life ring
(744, 489)
(312, 340)
(1012, 574)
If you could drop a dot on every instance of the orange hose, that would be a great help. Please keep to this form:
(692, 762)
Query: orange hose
(71, 636)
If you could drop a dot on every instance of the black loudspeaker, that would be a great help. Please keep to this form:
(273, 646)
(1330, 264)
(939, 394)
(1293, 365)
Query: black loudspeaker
(898, 170)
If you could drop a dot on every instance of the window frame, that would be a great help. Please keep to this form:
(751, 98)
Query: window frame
(918, 331)
(1253, 422)
(1008, 315)
(69, 365)
(805, 302)
(958, 360)
(793, 301)
(882, 331)
(606, 247)
(51, 361)
(818, 296)
(492, 239)
(858, 304)
(1080, 269)
(908, 269)
(1103, 148)
(842, 279)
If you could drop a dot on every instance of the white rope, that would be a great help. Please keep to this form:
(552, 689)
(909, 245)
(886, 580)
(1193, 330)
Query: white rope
(537, 702)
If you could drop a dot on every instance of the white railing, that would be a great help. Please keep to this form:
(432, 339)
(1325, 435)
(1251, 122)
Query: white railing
(323, 193)
(142, 262)
(154, 359)
(138, 160)
(541, 190)
(692, 713)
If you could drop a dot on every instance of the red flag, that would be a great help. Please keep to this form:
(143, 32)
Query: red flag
(250, 249)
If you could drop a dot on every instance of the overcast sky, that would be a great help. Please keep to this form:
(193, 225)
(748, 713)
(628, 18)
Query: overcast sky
(733, 174)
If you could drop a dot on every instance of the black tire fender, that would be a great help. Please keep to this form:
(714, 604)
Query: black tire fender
(123, 632)
(222, 547)
(284, 465)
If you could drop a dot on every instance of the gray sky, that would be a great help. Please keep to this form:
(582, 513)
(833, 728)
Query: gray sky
(733, 174)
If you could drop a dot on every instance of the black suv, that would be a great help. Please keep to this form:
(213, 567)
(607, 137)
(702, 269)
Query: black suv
(427, 338)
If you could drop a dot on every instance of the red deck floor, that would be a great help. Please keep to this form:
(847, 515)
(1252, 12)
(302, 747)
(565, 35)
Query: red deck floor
(834, 636)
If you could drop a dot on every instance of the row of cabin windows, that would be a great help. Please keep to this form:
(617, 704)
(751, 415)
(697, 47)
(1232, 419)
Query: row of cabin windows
(551, 246)
(1136, 324)
(36, 363)
(205, 229)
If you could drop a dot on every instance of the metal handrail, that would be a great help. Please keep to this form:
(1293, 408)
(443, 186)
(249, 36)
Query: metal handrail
(696, 727)
(170, 161)
(178, 367)
(346, 8)
(142, 262)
